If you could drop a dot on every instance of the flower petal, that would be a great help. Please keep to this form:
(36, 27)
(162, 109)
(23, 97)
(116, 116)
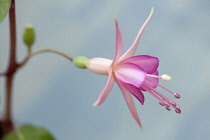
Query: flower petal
(129, 73)
(106, 90)
(131, 51)
(134, 91)
(119, 44)
(146, 62)
(129, 100)
(150, 81)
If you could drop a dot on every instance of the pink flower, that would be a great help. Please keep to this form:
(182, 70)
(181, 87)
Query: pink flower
(133, 74)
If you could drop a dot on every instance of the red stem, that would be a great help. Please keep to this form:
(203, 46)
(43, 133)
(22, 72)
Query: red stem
(8, 122)
(12, 21)
(11, 69)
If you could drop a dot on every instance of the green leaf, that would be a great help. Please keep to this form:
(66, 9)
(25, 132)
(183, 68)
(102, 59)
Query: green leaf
(4, 8)
(29, 132)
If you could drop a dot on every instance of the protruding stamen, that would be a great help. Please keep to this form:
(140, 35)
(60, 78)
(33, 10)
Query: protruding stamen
(172, 103)
(168, 108)
(148, 90)
(166, 77)
(167, 105)
(178, 110)
(176, 95)
(162, 103)
(163, 100)
(177, 106)
(160, 95)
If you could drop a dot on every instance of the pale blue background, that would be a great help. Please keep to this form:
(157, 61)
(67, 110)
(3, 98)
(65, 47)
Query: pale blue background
(51, 92)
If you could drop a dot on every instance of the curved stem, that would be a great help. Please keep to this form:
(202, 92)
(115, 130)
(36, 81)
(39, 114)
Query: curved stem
(26, 59)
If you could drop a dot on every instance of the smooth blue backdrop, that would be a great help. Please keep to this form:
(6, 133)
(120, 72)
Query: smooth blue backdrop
(52, 93)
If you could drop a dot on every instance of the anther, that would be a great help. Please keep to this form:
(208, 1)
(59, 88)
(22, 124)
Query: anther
(172, 103)
(176, 95)
(178, 110)
(167, 105)
(168, 108)
(162, 103)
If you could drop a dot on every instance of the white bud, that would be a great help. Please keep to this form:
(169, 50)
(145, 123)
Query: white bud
(99, 65)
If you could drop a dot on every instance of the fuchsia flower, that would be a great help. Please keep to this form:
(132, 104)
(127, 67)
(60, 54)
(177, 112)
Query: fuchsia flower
(133, 74)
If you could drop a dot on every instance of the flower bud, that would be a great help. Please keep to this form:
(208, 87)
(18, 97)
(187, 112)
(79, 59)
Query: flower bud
(80, 62)
(99, 65)
(29, 36)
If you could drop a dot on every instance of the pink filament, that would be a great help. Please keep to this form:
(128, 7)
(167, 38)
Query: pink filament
(166, 89)
(160, 101)
(168, 102)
